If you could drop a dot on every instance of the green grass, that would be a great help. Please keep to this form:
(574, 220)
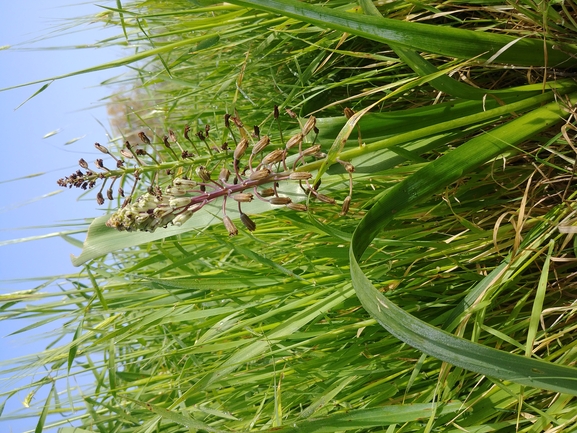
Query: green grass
(443, 300)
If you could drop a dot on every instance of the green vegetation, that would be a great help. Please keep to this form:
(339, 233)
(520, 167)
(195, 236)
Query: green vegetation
(443, 300)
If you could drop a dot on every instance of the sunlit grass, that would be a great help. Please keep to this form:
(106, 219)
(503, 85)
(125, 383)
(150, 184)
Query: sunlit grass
(200, 331)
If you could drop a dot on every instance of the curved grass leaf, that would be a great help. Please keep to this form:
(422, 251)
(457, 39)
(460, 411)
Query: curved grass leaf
(447, 41)
(419, 334)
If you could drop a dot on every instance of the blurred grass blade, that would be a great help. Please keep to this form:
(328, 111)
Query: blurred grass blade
(447, 41)
(419, 334)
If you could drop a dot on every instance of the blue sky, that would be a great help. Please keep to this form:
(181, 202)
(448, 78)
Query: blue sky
(73, 107)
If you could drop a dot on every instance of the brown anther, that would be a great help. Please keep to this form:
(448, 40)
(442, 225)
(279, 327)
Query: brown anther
(232, 230)
(82, 163)
(109, 194)
(280, 200)
(248, 223)
(224, 146)
(100, 164)
(243, 197)
(348, 112)
(227, 120)
(143, 138)
(256, 131)
(186, 131)
(165, 140)
(207, 129)
(201, 136)
(275, 112)
(120, 191)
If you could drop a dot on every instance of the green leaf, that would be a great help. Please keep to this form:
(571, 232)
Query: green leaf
(447, 41)
(419, 334)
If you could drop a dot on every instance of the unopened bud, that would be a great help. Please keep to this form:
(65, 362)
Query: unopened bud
(295, 140)
(348, 112)
(203, 173)
(260, 174)
(109, 194)
(260, 145)
(181, 218)
(143, 138)
(240, 149)
(311, 122)
(243, 197)
(300, 175)
(180, 182)
(248, 223)
(232, 230)
(311, 150)
(346, 205)
(325, 198)
(224, 174)
(280, 200)
(101, 148)
(82, 163)
(172, 135)
(273, 157)
(267, 192)
(99, 198)
(177, 202)
(297, 206)
(126, 154)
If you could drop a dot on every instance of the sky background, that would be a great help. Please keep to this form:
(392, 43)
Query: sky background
(32, 206)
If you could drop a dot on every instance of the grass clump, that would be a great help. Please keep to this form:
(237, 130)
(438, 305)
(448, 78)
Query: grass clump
(443, 301)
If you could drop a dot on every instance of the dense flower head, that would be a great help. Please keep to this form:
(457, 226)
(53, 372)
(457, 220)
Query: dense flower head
(188, 179)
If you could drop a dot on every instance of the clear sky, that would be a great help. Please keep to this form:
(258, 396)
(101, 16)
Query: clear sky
(72, 107)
